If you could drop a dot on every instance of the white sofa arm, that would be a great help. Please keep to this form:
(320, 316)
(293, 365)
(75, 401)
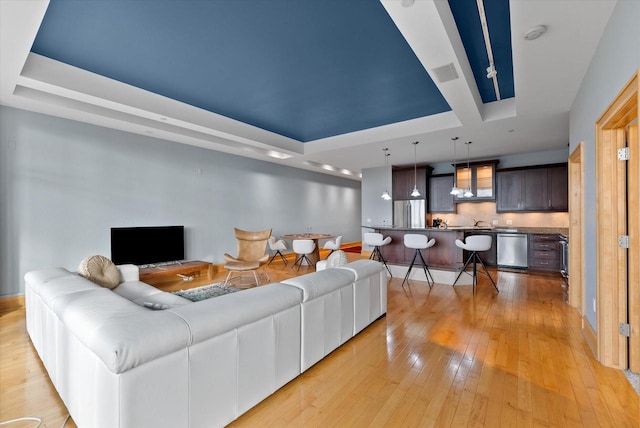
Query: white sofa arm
(129, 273)
(321, 265)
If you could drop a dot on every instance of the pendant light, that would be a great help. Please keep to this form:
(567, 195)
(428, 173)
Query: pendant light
(415, 192)
(455, 190)
(468, 193)
(385, 194)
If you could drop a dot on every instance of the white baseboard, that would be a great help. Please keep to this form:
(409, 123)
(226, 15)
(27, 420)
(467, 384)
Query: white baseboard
(439, 276)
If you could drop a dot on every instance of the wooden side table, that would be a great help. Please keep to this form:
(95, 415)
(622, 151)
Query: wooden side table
(178, 275)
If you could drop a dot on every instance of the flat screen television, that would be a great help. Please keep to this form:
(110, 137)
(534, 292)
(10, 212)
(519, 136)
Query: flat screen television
(147, 245)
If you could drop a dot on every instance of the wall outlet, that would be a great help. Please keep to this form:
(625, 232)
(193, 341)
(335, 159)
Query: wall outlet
(509, 222)
(368, 220)
(496, 222)
(594, 306)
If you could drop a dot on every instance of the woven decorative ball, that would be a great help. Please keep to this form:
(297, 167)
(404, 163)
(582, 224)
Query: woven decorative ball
(337, 258)
(100, 270)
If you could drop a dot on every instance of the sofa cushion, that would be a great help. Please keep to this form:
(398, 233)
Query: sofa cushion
(149, 296)
(133, 290)
(320, 283)
(122, 334)
(363, 268)
(36, 278)
(100, 270)
(211, 317)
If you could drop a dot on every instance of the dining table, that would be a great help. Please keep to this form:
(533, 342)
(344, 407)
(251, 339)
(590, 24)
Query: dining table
(315, 237)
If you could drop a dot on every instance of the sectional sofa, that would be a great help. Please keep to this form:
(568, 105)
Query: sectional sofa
(118, 362)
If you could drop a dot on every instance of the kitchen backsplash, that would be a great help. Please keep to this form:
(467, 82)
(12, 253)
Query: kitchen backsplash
(486, 213)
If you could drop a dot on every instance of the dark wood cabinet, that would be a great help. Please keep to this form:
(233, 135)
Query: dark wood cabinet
(440, 198)
(558, 187)
(480, 178)
(544, 252)
(532, 189)
(404, 179)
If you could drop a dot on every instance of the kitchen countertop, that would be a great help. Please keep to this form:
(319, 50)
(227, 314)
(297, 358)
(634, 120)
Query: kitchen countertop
(500, 229)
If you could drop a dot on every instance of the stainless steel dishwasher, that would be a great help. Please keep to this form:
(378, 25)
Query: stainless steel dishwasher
(512, 250)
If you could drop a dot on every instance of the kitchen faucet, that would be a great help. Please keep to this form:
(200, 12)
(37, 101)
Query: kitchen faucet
(477, 222)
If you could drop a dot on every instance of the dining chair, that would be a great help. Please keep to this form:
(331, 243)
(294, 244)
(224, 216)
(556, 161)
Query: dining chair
(303, 247)
(277, 246)
(333, 245)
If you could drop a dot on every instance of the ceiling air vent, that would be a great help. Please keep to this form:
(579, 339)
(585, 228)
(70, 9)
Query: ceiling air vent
(445, 73)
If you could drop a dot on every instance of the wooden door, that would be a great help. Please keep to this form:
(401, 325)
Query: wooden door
(617, 214)
(633, 202)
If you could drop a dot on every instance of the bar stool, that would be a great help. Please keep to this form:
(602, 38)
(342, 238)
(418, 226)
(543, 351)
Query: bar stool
(419, 242)
(302, 247)
(376, 241)
(475, 243)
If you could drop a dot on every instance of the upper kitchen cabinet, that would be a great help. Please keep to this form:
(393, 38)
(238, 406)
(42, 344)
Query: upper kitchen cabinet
(558, 188)
(480, 178)
(532, 189)
(440, 198)
(403, 180)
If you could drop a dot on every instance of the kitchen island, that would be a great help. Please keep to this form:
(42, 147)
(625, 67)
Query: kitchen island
(445, 256)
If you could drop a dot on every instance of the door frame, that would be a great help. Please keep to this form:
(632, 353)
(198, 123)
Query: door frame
(614, 210)
(576, 229)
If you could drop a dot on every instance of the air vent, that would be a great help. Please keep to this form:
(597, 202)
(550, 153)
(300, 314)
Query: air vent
(445, 73)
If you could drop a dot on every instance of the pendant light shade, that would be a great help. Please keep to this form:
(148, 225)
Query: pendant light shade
(385, 194)
(455, 190)
(415, 193)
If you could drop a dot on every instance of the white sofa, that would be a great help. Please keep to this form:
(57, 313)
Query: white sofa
(117, 363)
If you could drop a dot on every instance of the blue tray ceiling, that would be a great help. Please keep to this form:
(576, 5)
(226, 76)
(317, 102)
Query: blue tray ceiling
(302, 69)
(465, 13)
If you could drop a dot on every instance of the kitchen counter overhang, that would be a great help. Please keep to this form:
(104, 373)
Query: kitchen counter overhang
(444, 255)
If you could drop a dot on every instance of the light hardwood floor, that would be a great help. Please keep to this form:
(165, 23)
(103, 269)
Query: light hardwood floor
(440, 357)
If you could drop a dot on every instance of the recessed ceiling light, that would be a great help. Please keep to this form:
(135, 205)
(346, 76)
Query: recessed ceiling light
(535, 32)
(278, 155)
(407, 3)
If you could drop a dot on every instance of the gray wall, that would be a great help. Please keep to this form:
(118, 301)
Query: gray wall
(614, 63)
(64, 184)
(375, 210)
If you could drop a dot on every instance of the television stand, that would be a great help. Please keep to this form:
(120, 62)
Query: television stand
(179, 275)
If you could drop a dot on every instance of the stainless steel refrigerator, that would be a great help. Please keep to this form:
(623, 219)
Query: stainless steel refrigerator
(409, 213)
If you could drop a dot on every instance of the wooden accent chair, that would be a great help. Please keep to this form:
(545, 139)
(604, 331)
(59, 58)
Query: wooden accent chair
(252, 253)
